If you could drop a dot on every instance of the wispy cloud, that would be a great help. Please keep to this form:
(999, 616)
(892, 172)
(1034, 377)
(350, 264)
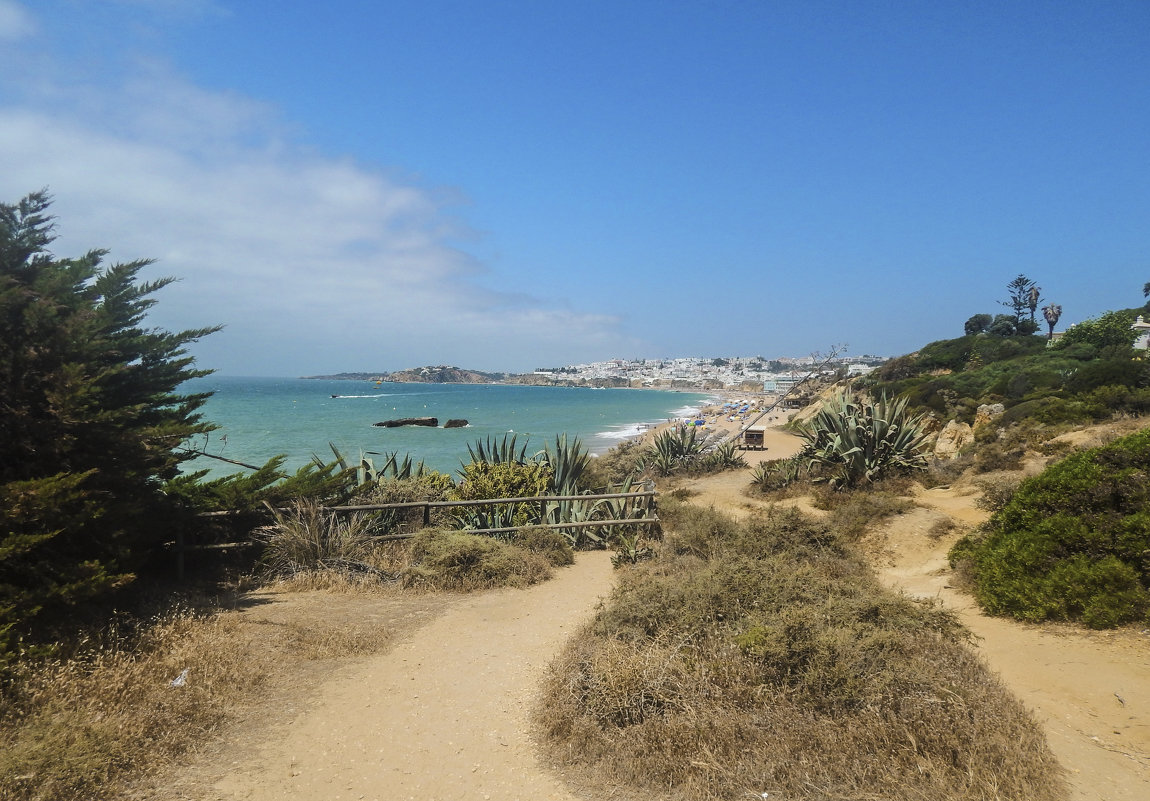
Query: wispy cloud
(15, 22)
(305, 257)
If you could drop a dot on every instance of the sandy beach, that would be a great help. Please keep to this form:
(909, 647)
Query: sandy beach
(724, 418)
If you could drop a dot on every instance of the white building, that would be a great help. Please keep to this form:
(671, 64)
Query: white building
(1143, 329)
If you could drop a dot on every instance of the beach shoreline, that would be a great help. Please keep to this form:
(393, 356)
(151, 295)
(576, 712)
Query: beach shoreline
(722, 419)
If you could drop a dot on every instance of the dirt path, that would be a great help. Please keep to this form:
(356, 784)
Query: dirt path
(1090, 690)
(444, 714)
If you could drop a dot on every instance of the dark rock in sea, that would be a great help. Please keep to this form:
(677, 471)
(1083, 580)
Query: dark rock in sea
(455, 424)
(409, 421)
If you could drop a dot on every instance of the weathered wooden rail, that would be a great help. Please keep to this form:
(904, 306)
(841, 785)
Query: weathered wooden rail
(180, 547)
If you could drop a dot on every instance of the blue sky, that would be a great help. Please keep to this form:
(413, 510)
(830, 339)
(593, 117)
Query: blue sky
(511, 185)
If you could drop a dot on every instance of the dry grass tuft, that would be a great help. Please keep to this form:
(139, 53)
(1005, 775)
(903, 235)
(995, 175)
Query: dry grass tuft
(74, 728)
(765, 657)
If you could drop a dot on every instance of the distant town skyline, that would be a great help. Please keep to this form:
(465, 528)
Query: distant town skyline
(512, 184)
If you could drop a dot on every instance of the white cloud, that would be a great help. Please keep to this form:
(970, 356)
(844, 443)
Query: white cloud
(15, 22)
(304, 257)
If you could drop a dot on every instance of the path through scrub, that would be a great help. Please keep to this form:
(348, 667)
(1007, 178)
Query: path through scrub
(444, 714)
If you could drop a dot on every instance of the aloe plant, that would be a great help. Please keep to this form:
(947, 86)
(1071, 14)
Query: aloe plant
(850, 442)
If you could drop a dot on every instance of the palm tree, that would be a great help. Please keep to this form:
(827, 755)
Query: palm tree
(1033, 299)
(1052, 313)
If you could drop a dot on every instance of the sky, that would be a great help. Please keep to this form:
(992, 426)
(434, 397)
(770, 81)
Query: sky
(507, 185)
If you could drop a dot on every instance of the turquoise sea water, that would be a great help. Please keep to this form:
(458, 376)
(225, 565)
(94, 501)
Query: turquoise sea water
(260, 418)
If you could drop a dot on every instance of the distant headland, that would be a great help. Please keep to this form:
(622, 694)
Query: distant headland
(741, 373)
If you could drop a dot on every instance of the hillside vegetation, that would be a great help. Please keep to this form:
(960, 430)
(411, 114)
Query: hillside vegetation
(1071, 543)
(1087, 375)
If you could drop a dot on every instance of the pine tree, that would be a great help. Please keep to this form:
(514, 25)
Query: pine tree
(90, 422)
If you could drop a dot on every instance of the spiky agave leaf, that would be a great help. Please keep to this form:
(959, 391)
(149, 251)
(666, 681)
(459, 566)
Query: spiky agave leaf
(848, 441)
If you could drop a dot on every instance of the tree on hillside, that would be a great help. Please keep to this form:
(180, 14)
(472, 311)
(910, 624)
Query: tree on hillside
(90, 421)
(978, 324)
(1110, 333)
(1051, 313)
(1023, 297)
(1004, 325)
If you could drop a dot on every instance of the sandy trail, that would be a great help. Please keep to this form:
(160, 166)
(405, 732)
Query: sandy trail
(1090, 690)
(445, 714)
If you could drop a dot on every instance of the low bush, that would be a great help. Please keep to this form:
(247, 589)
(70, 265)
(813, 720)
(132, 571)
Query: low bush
(305, 538)
(454, 560)
(946, 471)
(997, 456)
(853, 514)
(548, 543)
(764, 656)
(997, 491)
(1071, 543)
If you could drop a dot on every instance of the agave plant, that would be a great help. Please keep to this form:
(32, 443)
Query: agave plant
(674, 449)
(724, 457)
(498, 451)
(393, 466)
(849, 442)
(777, 474)
(568, 462)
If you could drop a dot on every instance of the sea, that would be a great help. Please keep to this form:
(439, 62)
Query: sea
(302, 419)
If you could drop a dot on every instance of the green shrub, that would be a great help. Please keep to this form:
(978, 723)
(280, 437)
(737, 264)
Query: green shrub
(483, 480)
(1071, 542)
(615, 466)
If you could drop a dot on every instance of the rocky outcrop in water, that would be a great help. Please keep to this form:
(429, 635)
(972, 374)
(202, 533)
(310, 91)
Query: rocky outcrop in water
(431, 422)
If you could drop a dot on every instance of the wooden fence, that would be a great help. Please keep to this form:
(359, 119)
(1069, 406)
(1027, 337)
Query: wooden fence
(180, 547)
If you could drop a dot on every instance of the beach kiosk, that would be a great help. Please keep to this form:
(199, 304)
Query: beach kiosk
(753, 438)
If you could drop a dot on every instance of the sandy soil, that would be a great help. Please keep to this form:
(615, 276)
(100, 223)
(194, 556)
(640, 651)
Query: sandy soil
(445, 713)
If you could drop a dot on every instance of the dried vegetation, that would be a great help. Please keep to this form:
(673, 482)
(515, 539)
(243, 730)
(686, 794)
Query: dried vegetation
(764, 657)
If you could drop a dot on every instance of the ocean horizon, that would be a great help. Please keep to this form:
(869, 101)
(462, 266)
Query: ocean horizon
(259, 418)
